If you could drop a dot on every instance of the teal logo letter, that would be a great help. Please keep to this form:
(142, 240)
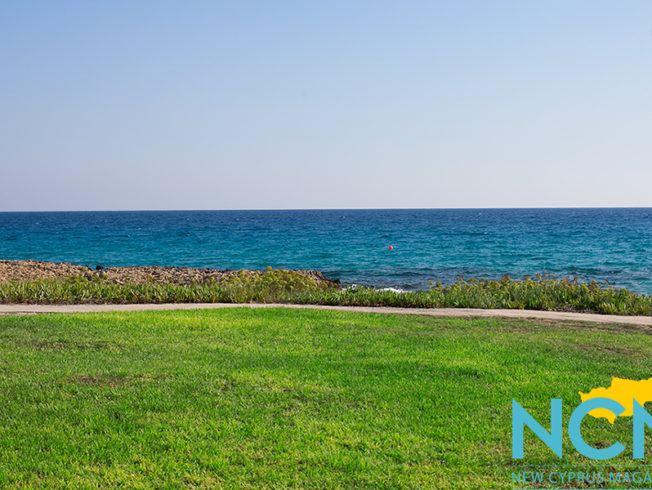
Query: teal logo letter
(520, 418)
(575, 433)
(641, 419)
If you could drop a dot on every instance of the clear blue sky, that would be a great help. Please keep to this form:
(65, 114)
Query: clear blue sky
(352, 104)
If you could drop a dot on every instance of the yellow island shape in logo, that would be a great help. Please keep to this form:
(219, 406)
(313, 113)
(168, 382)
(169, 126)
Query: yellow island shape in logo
(623, 391)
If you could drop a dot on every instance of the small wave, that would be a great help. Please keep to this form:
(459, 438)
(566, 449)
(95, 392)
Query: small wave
(353, 287)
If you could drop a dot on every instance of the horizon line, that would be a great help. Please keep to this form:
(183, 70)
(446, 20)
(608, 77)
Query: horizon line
(151, 210)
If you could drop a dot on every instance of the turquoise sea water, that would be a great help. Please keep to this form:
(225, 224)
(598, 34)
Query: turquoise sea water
(612, 245)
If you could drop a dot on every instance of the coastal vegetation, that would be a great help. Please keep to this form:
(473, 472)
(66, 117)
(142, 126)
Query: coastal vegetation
(307, 287)
(278, 398)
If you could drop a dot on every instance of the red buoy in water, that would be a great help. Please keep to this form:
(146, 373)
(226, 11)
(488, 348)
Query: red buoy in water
(390, 247)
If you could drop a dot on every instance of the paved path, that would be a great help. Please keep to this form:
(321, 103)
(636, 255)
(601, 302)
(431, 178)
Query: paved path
(439, 312)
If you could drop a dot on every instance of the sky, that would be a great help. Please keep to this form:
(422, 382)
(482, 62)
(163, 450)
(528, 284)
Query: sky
(293, 105)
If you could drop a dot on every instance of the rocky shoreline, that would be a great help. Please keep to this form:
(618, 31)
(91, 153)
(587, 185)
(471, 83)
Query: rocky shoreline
(27, 270)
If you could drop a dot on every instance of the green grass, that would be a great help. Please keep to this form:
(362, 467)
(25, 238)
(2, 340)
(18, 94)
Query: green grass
(282, 398)
(276, 286)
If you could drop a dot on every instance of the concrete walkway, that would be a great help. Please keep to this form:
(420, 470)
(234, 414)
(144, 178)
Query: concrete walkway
(19, 309)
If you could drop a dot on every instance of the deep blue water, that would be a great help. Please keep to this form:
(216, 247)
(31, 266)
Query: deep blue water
(612, 245)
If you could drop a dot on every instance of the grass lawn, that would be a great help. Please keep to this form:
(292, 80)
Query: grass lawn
(295, 398)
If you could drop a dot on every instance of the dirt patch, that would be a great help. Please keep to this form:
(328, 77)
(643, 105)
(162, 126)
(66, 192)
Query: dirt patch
(531, 325)
(26, 270)
(48, 344)
(68, 344)
(611, 350)
(97, 380)
(113, 380)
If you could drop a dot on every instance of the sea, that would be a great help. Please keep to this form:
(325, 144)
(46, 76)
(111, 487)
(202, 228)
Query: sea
(390, 248)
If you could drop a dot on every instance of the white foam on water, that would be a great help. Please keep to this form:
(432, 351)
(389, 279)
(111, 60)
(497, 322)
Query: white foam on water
(393, 290)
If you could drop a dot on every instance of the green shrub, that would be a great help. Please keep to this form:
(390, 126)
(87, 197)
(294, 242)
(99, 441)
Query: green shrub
(280, 286)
